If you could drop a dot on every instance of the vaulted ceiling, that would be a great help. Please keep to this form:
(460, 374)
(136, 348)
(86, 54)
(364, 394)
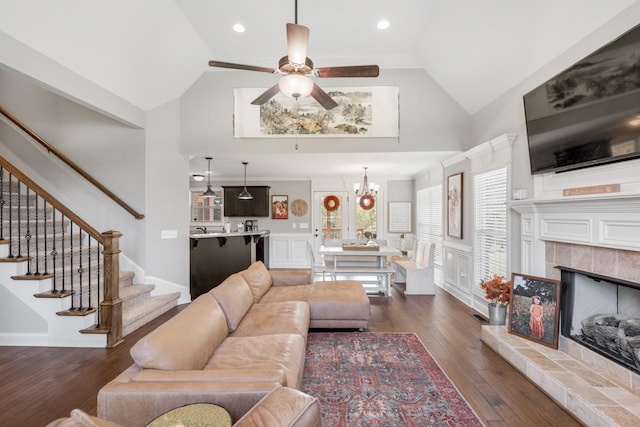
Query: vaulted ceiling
(149, 52)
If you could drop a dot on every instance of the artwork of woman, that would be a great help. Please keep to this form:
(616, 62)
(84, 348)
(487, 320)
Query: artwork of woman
(280, 211)
(535, 322)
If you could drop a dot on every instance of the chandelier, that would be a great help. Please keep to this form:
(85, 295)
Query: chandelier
(368, 192)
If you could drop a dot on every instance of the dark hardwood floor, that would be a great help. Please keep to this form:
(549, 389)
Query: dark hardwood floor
(40, 384)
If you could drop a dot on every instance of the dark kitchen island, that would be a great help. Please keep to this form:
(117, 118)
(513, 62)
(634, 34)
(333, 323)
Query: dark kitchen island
(215, 256)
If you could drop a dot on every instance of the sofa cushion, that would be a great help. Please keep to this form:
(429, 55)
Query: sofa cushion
(288, 276)
(287, 317)
(279, 351)
(258, 279)
(186, 341)
(235, 298)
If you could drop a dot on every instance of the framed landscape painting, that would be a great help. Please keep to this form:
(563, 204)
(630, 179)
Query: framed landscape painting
(535, 309)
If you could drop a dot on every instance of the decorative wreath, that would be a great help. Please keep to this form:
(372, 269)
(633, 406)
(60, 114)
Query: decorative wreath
(331, 203)
(367, 202)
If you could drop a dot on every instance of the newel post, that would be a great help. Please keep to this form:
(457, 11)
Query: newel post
(111, 305)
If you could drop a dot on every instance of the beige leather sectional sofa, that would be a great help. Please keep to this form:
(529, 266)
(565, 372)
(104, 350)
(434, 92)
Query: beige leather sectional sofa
(232, 345)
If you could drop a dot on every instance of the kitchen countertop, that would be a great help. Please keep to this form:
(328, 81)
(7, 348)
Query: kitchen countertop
(231, 234)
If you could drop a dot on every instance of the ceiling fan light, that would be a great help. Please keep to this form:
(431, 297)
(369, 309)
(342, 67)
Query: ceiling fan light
(296, 85)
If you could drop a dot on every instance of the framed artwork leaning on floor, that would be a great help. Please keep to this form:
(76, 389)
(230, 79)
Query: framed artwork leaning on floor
(535, 309)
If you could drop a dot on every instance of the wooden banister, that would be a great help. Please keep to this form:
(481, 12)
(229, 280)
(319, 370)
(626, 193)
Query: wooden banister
(51, 149)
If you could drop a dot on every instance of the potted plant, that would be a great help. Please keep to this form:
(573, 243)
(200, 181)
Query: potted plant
(498, 293)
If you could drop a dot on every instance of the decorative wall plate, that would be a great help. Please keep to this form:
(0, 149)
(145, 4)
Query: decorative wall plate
(299, 207)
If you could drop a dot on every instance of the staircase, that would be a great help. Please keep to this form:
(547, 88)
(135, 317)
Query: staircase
(52, 275)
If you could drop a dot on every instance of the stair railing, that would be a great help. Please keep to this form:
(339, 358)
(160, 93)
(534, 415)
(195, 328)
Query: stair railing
(56, 243)
(53, 150)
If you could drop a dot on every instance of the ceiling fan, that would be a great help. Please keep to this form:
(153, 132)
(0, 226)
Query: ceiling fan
(296, 69)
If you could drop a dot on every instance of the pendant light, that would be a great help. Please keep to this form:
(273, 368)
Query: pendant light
(208, 192)
(245, 195)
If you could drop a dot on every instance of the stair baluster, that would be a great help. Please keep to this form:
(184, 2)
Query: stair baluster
(27, 234)
(45, 253)
(19, 220)
(1, 203)
(10, 220)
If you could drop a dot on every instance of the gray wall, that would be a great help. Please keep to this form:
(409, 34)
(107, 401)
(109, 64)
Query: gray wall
(429, 119)
(506, 114)
(111, 152)
(167, 197)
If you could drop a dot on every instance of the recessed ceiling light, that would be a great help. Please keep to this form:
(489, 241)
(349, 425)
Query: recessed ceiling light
(383, 24)
(238, 28)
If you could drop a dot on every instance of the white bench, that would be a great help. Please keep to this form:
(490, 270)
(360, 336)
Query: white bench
(417, 273)
(380, 276)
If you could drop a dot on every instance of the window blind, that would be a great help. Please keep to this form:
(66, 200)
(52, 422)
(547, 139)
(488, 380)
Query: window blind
(490, 224)
(429, 219)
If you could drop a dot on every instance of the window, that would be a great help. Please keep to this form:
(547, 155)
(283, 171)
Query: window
(206, 209)
(429, 219)
(490, 224)
(366, 220)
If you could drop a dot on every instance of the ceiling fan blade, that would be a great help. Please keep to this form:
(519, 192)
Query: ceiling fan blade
(297, 42)
(349, 71)
(220, 64)
(266, 95)
(323, 97)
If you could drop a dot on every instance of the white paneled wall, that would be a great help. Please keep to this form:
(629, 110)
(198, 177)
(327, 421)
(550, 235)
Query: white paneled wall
(289, 251)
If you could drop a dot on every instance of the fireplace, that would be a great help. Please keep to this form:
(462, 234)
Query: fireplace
(602, 313)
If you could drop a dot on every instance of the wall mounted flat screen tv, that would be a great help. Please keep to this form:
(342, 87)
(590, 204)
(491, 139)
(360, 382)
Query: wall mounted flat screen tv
(589, 114)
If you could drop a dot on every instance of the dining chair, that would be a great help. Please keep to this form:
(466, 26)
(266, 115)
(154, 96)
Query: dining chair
(316, 267)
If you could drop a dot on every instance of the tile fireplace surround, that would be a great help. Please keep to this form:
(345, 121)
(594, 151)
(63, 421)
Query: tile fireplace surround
(598, 233)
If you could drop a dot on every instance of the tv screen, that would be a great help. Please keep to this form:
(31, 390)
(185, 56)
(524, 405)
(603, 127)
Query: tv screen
(588, 114)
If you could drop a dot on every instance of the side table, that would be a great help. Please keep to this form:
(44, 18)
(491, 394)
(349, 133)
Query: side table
(194, 415)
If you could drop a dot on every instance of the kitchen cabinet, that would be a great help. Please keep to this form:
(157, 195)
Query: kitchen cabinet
(256, 207)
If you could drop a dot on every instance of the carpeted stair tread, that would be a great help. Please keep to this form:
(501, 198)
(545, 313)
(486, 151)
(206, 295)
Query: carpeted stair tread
(126, 278)
(146, 310)
(135, 294)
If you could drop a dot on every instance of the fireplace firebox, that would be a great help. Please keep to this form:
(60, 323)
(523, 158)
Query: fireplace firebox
(603, 314)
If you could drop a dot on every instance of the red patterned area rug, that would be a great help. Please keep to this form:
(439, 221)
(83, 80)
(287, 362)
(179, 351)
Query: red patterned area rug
(380, 379)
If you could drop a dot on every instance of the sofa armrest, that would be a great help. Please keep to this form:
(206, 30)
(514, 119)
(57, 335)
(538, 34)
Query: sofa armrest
(284, 407)
(138, 403)
(290, 277)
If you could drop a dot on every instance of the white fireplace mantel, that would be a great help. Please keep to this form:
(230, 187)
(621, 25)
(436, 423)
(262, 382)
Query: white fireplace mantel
(610, 220)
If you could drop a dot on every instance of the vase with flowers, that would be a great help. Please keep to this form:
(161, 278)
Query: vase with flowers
(498, 293)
